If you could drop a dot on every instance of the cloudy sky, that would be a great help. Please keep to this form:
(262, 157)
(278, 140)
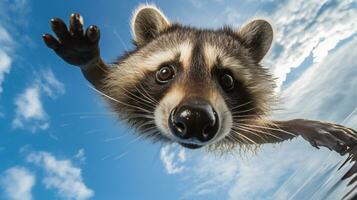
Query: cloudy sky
(59, 141)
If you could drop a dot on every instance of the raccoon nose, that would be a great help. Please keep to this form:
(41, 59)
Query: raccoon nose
(195, 120)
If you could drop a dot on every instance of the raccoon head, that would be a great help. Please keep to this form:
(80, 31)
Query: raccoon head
(192, 86)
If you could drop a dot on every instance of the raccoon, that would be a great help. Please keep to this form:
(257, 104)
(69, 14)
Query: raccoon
(192, 86)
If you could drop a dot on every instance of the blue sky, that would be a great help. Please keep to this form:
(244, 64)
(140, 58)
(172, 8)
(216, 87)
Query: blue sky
(58, 140)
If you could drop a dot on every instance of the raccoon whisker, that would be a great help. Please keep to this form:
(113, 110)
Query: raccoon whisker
(243, 111)
(260, 131)
(140, 101)
(141, 116)
(113, 138)
(237, 138)
(134, 140)
(150, 122)
(137, 99)
(147, 99)
(270, 128)
(232, 109)
(120, 155)
(232, 137)
(150, 132)
(90, 116)
(243, 116)
(248, 119)
(149, 96)
(246, 103)
(249, 131)
(115, 100)
(153, 133)
(148, 129)
(87, 113)
(246, 138)
(101, 68)
(121, 40)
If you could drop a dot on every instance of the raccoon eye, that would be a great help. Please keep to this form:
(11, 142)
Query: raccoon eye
(165, 74)
(227, 82)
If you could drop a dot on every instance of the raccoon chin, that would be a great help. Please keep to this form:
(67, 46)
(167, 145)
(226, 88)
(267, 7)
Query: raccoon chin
(191, 146)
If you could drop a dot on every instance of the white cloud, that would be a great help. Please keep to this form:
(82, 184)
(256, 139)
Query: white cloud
(17, 183)
(6, 45)
(80, 156)
(11, 12)
(29, 110)
(264, 173)
(172, 158)
(5, 37)
(213, 173)
(202, 3)
(50, 85)
(29, 113)
(14, 12)
(62, 176)
(305, 28)
(326, 91)
(248, 176)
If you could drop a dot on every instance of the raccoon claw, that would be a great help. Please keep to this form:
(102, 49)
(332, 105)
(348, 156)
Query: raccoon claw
(50, 41)
(93, 33)
(332, 136)
(73, 45)
(59, 28)
(332, 145)
(76, 25)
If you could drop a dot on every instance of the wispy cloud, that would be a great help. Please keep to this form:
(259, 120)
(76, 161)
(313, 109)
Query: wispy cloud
(326, 91)
(201, 3)
(6, 45)
(17, 183)
(61, 175)
(211, 174)
(172, 157)
(11, 15)
(14, 12)
(29, 110)
(80, 156)
(309, 28)
(261, 176)
(30, 114)
(50, 85)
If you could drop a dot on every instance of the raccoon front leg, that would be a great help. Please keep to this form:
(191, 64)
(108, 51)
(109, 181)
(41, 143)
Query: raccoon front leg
(78, 48)
(333, 136)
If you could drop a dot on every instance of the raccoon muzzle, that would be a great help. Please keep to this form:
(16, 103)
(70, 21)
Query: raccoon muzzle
(194, 121)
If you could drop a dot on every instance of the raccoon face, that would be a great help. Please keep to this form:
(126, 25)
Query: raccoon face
(191, 86)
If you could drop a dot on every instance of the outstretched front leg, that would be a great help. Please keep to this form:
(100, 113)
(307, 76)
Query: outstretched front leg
(78, 47)
(333, 136)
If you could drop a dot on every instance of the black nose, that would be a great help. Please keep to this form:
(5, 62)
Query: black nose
(194, 120)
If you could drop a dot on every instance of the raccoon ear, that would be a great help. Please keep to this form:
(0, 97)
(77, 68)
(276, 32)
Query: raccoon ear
(147, 23)
(257, 35)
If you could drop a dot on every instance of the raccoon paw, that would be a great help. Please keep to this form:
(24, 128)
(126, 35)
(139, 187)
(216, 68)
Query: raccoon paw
(74, 46)
(333, 136)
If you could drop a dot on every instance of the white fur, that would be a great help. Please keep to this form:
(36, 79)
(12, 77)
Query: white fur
(212, 53)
